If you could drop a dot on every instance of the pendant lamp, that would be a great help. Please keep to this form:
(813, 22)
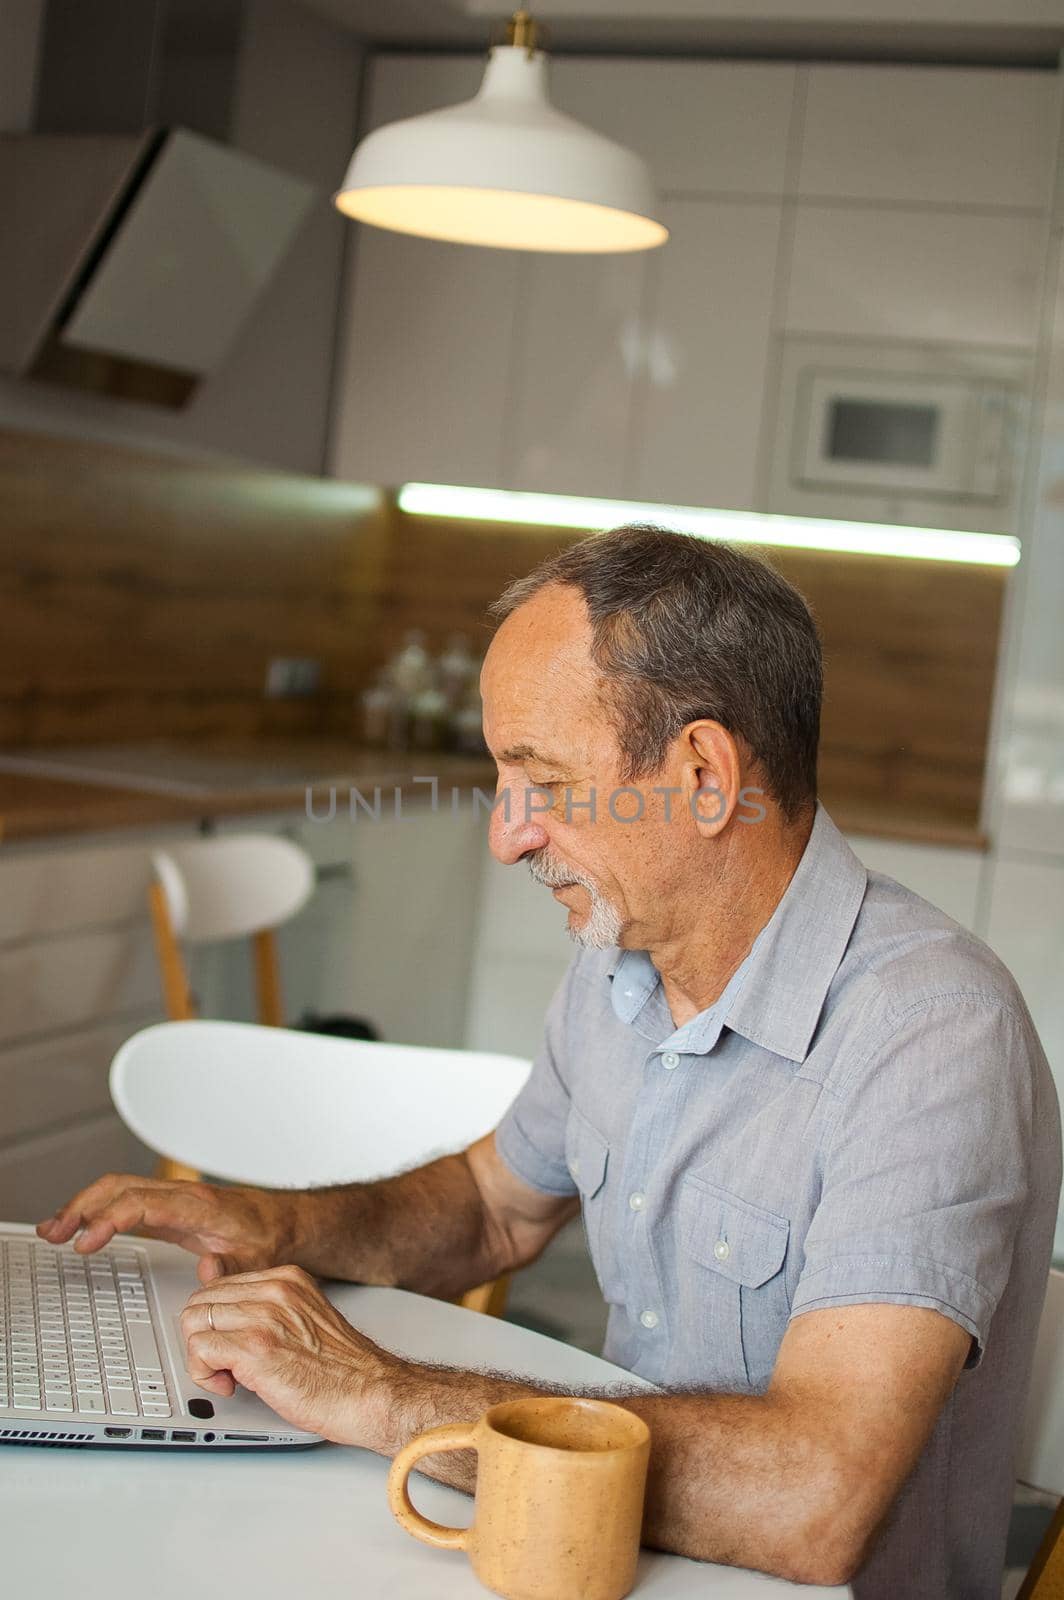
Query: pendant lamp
(505, 169)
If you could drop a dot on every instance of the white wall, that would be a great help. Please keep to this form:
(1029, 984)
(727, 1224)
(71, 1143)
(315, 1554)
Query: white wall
(295, 105)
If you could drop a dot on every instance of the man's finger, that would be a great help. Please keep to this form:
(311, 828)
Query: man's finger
(211, 1354)
(219, 1316)
(85, 1204)
(269, 1283)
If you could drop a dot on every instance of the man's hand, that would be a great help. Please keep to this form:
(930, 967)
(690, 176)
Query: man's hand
(275, 1333)
(232, 1230)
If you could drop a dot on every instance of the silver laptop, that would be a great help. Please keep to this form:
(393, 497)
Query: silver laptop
(91, 1352)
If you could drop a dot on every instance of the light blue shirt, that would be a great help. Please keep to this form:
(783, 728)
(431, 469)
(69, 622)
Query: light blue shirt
(864, 1115)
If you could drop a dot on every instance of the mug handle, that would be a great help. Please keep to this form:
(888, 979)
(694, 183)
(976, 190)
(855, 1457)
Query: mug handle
(452, 1436)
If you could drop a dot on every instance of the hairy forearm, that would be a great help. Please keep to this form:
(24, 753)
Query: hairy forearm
(736, 1479)
(424, 1230)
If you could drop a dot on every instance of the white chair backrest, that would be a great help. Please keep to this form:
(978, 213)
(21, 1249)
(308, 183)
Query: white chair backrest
(283, 1109)
(1041, 1461)
(233, 886)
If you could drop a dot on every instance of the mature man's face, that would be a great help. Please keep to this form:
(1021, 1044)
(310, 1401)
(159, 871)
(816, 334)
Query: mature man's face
(559, 770)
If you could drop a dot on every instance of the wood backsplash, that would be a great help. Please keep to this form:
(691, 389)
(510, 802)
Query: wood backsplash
(143, 596)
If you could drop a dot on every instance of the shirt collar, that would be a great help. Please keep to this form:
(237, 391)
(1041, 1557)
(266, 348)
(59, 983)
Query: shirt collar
(801, 946)
(776, 996)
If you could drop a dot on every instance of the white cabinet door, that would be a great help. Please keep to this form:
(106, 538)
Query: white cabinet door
(414, 908)
(574, 372)
(424, 370)
(916, 275)
(704, 127)
(520, 955)
(699, 408)
(950, 879)
(933, 135)
(1026, 929)
(1027, 762)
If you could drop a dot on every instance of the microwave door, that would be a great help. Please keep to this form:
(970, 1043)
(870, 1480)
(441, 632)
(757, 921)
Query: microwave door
(898, 437)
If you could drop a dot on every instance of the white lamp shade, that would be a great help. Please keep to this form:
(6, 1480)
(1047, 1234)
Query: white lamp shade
(505, 169)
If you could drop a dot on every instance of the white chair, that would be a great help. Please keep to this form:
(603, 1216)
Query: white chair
(280, 1109)
(234, 887)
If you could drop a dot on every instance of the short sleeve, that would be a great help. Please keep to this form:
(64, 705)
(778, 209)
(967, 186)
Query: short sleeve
(926, 1171)
(531, 1136)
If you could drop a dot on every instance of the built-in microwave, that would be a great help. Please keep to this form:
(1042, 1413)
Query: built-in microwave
(898, 433)
(930, 435)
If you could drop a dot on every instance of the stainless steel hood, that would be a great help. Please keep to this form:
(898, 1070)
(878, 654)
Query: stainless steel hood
(129, 263)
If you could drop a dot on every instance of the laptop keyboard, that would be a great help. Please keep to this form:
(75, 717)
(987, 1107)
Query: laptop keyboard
(76, 1335)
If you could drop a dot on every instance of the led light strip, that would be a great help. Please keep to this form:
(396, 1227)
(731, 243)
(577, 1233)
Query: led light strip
(740, 527)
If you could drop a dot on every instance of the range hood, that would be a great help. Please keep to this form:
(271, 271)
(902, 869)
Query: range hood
(129, 263)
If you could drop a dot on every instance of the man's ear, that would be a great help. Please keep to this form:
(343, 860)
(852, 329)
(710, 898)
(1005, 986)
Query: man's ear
(712, 776)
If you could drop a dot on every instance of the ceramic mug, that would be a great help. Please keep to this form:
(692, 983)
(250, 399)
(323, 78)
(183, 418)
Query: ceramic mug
(559, 1498)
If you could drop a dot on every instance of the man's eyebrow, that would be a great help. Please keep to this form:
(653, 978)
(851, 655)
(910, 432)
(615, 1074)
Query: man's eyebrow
(528, 752)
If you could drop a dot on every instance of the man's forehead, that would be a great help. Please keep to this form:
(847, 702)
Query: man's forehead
(540, 684)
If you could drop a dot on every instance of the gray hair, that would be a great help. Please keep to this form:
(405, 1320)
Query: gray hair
(685, 628)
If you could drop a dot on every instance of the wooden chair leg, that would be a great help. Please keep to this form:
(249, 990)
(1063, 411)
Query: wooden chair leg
(489, 1298)
(165, 1168)
(1045, 1577)
(268, 979)
(176, 993)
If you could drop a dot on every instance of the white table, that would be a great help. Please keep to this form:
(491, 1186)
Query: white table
(289, 1524)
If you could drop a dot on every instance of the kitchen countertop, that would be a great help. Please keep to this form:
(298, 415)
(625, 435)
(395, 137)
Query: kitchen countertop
(51, 792)
(48, 793)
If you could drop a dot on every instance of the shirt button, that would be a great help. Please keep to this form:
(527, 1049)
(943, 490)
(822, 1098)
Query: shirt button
(669, 1060)
(722, 1249)
(649, 1319)
(574, 1167)
(637, 1200)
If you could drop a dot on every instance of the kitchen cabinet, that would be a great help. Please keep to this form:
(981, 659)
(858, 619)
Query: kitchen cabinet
(388, 932)
(424, 370)
(1026, 929)
(476, 366)
(520, 954)
(578, 351)
(906, 207)
(77, 976)
(425, 373)
(705, 355)
(1027, 755)
(917, 275)
(704, 127)
(936, 136)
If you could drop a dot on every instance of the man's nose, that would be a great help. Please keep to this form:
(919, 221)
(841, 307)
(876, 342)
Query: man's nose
(515, 827)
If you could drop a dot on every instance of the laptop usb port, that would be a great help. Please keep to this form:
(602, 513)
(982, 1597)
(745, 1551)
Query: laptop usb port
(183, 1436)
(153, 1433)
(117, 1433)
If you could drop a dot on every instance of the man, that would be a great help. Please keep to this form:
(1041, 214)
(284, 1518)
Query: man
(806, 1117)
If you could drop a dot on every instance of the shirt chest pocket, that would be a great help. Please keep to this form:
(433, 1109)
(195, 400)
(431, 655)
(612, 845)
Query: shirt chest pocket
(587, 1156)
(732, 1283)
